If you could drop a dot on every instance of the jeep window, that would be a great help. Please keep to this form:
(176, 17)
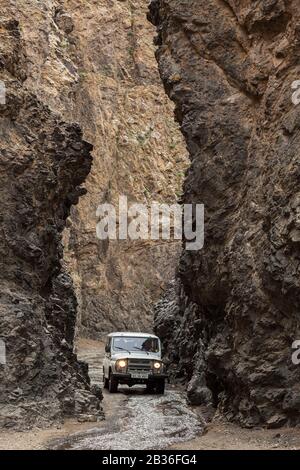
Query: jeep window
(134, 344)
(108, 345)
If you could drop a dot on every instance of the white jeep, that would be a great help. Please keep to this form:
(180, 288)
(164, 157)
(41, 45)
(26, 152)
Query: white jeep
(133, 358)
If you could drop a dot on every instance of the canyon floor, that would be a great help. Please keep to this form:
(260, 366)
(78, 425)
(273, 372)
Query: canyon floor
(135, 420)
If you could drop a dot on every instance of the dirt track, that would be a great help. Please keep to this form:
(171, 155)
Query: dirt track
(135, 420)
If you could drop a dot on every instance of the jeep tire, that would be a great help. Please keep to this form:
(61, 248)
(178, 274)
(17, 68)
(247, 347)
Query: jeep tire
(105, 380)
(112, 384)
(150, 387)
(160, 387)
(157, 386)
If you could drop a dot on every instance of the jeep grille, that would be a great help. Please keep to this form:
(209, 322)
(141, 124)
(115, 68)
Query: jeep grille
(139, 364)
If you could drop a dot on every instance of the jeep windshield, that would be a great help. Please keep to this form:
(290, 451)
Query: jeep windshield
(136, 344)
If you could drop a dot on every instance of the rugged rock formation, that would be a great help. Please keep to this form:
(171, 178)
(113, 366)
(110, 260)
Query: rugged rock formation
(92, 63)
(44, 160)
(138, 152)
(230, 321)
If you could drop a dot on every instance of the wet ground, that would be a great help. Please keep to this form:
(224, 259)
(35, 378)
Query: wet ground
(141, 422)
(134, 419)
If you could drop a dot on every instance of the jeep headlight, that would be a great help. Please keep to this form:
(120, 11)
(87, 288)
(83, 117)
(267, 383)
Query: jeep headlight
(157, 366)
(121, 365)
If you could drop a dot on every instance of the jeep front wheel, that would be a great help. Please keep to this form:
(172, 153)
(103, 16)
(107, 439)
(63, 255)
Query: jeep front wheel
(160, 387)
(112, 384)
(105, 380)
(150, 388)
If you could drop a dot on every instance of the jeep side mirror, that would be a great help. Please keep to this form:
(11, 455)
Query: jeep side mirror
(107, 349)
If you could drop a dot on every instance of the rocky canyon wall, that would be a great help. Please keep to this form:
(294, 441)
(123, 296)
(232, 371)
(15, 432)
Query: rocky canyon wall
(44, 161)
(229, 321)
(81, 84)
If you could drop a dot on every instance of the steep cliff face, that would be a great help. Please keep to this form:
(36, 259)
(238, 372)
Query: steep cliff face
(231, 318)
(92, 63)
(138, 152)
(44, 160)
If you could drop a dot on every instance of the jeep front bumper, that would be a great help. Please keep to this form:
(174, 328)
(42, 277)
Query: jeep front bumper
(132, 377)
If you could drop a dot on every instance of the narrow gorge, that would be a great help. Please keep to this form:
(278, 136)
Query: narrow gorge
(166, 101)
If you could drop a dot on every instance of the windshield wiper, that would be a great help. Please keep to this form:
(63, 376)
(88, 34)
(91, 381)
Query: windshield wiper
(123, 349)
(141, 349)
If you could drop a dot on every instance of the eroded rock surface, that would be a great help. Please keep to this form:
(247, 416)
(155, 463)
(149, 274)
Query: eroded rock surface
(44, 161)
(230, 320)
(89, 62)
(138, 152)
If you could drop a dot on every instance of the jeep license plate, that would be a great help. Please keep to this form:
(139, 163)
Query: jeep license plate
(140, 375)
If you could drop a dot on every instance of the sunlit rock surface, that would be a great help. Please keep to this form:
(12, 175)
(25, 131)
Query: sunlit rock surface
(138, 152)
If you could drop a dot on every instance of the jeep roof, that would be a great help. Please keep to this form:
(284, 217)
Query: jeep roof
(129, 333)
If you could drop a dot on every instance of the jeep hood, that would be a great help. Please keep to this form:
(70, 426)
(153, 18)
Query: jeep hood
(135, 355)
